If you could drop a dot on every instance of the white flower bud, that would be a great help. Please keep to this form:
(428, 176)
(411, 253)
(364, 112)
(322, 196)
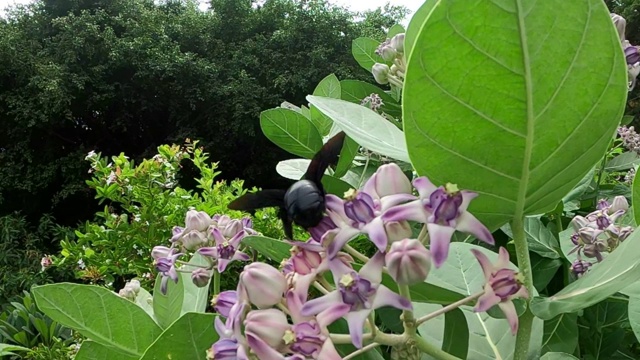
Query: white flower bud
(408, 261)
(264, 284)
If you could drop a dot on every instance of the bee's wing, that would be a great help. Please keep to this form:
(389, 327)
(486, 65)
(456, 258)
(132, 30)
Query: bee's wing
(328, 155)
(258, 200)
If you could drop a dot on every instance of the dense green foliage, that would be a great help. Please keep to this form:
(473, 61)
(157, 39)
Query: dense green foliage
(128, 76)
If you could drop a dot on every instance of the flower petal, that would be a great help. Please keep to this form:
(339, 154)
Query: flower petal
(329, 351)
(386, 297)
(217, 236)
(388, 180)
(239, 255)
(372, 270)
(235, 240)
(377, 233)
(262, 349)
(210, 251)
(413, 211)
(424, 186)
(342, 237)
(487, 300)
(503, 259)
(440, 237)
(356, 325)
(469, 224)
(317, 305)
(222, 264)
(393, 200)
(485, 263)
(509, 310)
(467, 196)
(330, 315)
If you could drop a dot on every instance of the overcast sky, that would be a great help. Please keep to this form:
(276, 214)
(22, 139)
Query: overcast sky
(355, 5)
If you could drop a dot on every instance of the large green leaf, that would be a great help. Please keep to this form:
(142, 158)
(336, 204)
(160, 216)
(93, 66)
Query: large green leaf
(604, 279)
(635, 198)
(581, 187)
(541, 240)
(497, 119)
(415, 25)
(561, 334)
(187, 338)
(347, 154)
(624, 161)
(543, 270)
(558, 356)
(291, 131)
(363, 50)
(195, 298)
(98, 314)
(634, 315)
(365, 126)
(91, 350)
(608, 317)
(274, 249)
(355, 91)
(168, 307)
(456, 334)
(462, 273)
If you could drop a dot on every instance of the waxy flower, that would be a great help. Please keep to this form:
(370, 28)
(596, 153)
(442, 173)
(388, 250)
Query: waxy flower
(224, 301)
(380, 73)
(197, 220)
(193, 239)
(165, 260)
(269, 325)
(362, 292)
(200, 277)
(444, 210)
(397, 42)
(408, 261)
(360, 212)
(264, 284)
(225, 250)
(305, 258)
(580, 267)
(502, 286)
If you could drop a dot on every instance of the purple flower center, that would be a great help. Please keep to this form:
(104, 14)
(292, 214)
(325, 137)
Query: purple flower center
(445, 206)
(602, 221)
(226, 251)
(505, 283)
(308, 338)
(575, 239)
(356, 291)
(632, 55)
(360, 209)
(580, 267)
(225, 349)
(163, 265)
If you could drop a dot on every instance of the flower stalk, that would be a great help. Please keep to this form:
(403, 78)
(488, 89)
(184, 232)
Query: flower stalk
(216, 282)
(448, 308)
(524, 264)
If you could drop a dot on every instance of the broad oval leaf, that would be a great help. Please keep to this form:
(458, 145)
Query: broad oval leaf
(328, 87)
(273, 249)
(187, 338)
(291, 131)
(635, 198)
(497, 120)
(363, 50)
(614, 273)
(456, 334)
(355, 91)
(293, 169)
(561, 334)
(624, 161)
(558, 356)
(195, 298)
(98, 314)
(168, 307)
(91, 350)
(365, 126)
(541, 240)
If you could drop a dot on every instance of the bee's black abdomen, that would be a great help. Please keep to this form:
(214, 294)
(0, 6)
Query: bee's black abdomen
(305, 204)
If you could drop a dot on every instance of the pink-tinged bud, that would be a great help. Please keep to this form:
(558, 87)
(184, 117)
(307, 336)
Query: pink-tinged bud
(161, 252)
(197, 220)
(223, 302)
(304, 261)
(397, 42)
(408, 261)
(619, 203)
(200, 277)
(193, 240)
(268, 325)
(380, 73)
(398, 230)
(265, 285)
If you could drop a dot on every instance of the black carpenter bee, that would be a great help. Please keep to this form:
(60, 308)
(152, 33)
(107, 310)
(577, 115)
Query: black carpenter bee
(303, 203)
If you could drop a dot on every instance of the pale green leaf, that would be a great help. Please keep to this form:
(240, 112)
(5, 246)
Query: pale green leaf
(187, 338)
(541, 240)
(635, 198)
(10, 349)
(195, 298)
(561, 334)
(634, 315)
(580, 188)
(624, 161)
(293, 169)
(497, 120)
(291, 131)
(355, 91)
(365, 126)
(273, 249)
(395, 30)
(145, 301)
(328, 87)
(558, 356)
(168, 307)
(415, 25)
(91, 350)
(363, 50)
(98, 314)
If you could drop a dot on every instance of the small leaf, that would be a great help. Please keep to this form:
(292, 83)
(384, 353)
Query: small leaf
(604, 279)
(608, 317)
(293, 169)
(395, 30)
(363, 50)
(98, 314)
(355, 91)
(91, 350)
(328, 87)
(195, 298)
(291, 131)
(626, 120)
(187, 338)
(541, 240)
(168, 307)
(274, 249)
(561, 334)
(8, 349)
(365, 126)
(456, 334)
(624, 161)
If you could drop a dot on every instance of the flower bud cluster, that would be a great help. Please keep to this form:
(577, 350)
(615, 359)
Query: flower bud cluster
(631, 52)
(391, 51)
(598, 233)
(630, 138)
(130, 290)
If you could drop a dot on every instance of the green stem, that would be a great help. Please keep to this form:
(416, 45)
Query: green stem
(216, 282)
(524, 263)
(429, 349)
(447, 308)
(599, 179)
(355, 253)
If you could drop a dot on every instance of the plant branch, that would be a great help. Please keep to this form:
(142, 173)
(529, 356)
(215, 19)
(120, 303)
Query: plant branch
(435, 352)
(216, 282)
(355, 253)
(447, 308)
(361, 351)
(524, 263)
(408, 320)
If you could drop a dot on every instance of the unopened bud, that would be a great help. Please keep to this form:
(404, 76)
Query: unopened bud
(223, 302)
(200, 277)
(265, 285)
(408, 261)
(268, 325)
(397, 42)
(398, 230)
(380, 73)
(388, 53)
(133, 285)
(193, 240)
(127, 293)
(619, 203)
(197, 220)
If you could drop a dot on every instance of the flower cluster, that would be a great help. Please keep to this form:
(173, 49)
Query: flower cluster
(373, 102)
(597, 233)
(216, 238)
(391, 51)
(270, 316)
(631, 52)
(630, 138)
(130, 290)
